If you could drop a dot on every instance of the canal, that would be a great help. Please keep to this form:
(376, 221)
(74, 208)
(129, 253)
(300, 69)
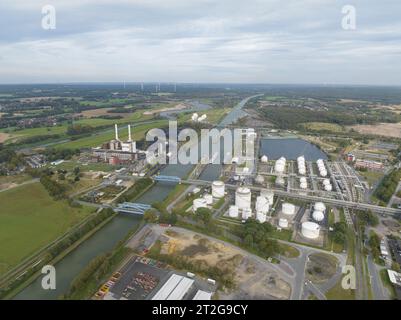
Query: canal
(107, 238)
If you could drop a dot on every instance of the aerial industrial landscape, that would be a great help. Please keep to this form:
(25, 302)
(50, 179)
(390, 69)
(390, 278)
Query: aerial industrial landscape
(222, 151)
(283, 224)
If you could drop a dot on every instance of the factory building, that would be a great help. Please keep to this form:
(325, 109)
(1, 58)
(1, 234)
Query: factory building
(368, 164)
(116, 151)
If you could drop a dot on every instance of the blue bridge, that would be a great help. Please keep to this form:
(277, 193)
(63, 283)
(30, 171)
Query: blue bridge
(167, 179)
(132, 207)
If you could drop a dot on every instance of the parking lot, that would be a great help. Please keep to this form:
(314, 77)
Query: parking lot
(139, 277)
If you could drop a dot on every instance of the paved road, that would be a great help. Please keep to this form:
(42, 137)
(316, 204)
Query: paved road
(299, 266)
(379, 292)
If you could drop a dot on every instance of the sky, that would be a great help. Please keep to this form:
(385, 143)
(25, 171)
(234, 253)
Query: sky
(228, 41)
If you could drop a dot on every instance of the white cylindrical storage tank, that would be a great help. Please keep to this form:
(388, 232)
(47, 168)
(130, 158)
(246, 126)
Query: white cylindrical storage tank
(195, 117)
(328, 187)
(323, 173)
(264, 159)
(262, 205)
(208, 198)
(261, 217)
(302, 171)
(302, 179)
(303, 185)
(288, 208)
(318, 215)
(319, 206)
(326, 182)
(283, 223)
(243, 198)
(233, 212)
(246, 213)
(199, 203)
(218, 189)
(310, 230)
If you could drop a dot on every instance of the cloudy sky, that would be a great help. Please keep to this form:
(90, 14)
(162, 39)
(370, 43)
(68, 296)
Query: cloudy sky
(252, 41)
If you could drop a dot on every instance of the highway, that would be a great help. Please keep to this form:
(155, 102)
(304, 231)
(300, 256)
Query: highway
(338, 202)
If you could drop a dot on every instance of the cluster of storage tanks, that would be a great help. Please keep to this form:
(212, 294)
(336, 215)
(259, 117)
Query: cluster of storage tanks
(279, 166)
(318, 211)
(311, 229)
(327, 185)
(196, 118)
(321, 167)
(243, 204)
(301, 165)
(303, 184)
(218, 191)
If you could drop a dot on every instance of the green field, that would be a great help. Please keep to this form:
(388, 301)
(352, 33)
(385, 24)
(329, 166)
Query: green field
(138, 133)
(30, 219)
(131, 118)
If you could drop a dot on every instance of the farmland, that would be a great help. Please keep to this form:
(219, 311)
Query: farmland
(28, 225)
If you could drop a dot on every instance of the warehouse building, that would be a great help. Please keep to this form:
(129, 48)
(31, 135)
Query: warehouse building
(175, 288)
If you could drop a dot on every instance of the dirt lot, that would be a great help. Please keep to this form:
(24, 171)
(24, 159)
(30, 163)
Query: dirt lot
(382, 129)
(95, 112)
(321, 267)
(254, 279)
(4, 136)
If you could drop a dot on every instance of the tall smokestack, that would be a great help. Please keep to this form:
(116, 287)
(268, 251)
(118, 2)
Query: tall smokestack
(129, 133)
(116, 131)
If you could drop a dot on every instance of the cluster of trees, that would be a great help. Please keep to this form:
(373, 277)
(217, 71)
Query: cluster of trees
(55, 154)
(388, 185)
(339, 233)
(79, 129)
(10, 159)
(290, 117)
(257, 236)
(56, 190)
(135, 190)
(374, 243)
(368, 218)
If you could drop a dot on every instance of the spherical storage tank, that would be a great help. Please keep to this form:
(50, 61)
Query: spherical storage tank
(303, 185)
(262, 205)
(243, 198)
(218, 188)
(328, 187)
(208, 198)
(283, 223)
(288, 208)
(264, 159)
(318, 215)
(319, 206)
(326, 182)
(199, 203)
(310, 230)
(233, 212)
